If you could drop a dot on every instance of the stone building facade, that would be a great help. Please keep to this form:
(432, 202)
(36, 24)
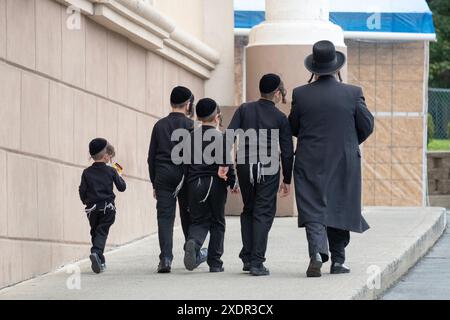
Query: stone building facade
(74, 70)
(394, 77)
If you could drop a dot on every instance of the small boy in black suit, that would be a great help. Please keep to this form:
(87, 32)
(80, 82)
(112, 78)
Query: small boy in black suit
(96, 193)
(206, 191)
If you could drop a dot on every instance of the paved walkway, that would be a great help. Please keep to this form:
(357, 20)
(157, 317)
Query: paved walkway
(395, 242)
(430, 278)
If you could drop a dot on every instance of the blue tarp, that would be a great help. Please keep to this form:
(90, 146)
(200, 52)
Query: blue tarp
(411, 16)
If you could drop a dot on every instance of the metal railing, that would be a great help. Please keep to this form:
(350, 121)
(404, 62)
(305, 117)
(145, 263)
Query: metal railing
(439, 114)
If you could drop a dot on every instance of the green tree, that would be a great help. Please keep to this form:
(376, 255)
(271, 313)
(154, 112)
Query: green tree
(440, 50)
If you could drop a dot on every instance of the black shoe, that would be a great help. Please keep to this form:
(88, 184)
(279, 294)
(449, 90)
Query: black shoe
(246, 267)
(314, 267)
(202, 256)
(259, 271)
(103, 268)
(190, 255)
(216, 269)
(96, 264)
(339, 268)
(165, 265)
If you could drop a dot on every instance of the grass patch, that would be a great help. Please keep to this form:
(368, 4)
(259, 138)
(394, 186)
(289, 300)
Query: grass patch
(438, 145)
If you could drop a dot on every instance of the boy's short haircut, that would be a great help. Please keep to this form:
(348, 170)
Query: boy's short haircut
(180, 105)
(110, 150)
(209, 118)
(100, 155)
(269, 96)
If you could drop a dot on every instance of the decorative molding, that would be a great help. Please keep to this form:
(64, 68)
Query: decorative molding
(151, 20)
(143, 24)
(86, 7)
(189, 53)
(189, 41)
(116, 22)
(183, 60)
(147, 12)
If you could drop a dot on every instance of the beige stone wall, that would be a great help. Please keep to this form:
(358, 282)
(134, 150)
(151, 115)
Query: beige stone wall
(59, 89)
(439, 179)
(188, 14)
(438, 173)
(394, 78)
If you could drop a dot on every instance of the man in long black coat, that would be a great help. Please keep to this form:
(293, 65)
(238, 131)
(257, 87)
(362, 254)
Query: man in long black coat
(330, 120)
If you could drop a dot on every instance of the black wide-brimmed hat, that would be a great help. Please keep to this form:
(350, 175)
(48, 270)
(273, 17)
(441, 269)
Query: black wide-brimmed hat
(325, 59)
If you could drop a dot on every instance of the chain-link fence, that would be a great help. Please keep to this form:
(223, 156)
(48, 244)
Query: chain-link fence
(438, 114)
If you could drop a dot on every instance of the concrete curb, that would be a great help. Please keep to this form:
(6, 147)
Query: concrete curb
(401, 265)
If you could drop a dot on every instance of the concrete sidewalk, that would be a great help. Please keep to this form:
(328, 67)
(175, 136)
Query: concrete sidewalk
(397, 239)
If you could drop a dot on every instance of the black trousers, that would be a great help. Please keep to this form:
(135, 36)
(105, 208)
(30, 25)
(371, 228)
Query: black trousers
(168, 177)
(207, 198)
(322, 239)
(100, 221)
(260, 204)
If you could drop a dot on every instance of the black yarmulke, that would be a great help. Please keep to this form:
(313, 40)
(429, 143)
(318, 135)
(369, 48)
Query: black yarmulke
(180, 95)
(205, 107)
(97, 145)
(269, 83)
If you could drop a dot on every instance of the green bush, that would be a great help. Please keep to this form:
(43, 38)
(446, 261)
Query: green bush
(430, 130)
(439, 145)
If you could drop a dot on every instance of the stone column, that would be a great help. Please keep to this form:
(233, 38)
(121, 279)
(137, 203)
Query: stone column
(280, 45)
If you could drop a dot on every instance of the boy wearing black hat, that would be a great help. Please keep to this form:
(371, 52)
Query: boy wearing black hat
(167, 177)
(207, 192)
(258, 185)
(96, 193)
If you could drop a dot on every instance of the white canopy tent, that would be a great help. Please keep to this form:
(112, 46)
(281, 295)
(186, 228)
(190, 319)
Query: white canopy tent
(368, 19)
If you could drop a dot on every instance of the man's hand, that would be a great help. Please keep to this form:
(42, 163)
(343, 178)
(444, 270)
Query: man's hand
(154, 194)
(222, 173)
(285, 189)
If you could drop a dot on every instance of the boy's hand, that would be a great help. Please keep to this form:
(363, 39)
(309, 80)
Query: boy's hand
(285, 189)
(118, 168)
(235, 190)
(223, 171)
(154, 194)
